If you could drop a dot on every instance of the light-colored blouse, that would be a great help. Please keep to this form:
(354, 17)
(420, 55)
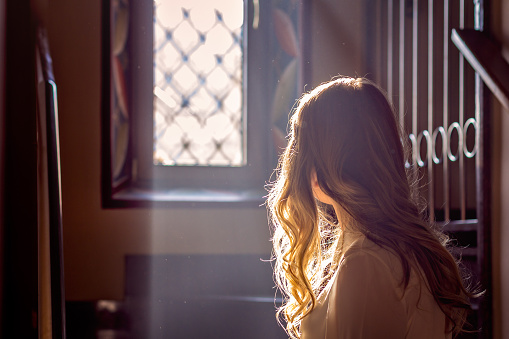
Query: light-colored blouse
(365, 299)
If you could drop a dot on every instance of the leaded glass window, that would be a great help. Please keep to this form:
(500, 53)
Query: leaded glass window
(195, 99)
(198, 83)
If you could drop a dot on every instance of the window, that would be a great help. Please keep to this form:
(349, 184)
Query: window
(198, 72)
(196, 98)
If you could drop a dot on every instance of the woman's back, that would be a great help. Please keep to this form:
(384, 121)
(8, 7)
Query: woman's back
(365, 299)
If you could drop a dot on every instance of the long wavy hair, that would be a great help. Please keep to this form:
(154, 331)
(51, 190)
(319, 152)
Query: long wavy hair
(346, 131)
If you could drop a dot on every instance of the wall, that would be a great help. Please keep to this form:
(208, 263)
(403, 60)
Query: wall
(336, 40)
(500, 185)
(2, 147)
(500, 225)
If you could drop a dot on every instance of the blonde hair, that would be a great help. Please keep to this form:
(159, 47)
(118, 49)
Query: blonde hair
(347, 132)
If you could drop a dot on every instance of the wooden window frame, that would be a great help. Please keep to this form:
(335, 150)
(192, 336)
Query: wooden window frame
(143, 184)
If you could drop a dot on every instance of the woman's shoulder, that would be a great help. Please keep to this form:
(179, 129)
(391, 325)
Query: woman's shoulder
(382, 264)
(362, 246)
(379, 260)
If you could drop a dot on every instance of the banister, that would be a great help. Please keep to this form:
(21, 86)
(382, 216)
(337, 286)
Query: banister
(485, 57)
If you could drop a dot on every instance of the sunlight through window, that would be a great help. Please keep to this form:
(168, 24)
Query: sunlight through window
(198, 83)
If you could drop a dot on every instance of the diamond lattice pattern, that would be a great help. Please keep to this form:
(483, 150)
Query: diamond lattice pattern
(198, 114)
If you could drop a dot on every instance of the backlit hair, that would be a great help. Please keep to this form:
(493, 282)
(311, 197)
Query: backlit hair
(346, 130)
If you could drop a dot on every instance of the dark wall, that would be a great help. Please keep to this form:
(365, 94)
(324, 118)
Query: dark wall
(2, 143)
(19, 241)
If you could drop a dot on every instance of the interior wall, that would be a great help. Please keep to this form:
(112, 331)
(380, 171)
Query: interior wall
(500, 225)
(2, 149)
(337, 38)
(500, 185)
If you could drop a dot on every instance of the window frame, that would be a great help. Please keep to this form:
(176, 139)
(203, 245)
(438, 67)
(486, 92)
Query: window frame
(146, 185)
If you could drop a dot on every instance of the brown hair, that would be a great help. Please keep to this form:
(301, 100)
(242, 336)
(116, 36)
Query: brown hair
(346, 131)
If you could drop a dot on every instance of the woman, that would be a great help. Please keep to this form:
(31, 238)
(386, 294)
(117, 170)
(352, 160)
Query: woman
(354, 257)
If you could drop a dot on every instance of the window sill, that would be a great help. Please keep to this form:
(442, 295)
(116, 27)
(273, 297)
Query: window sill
(135, 197)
